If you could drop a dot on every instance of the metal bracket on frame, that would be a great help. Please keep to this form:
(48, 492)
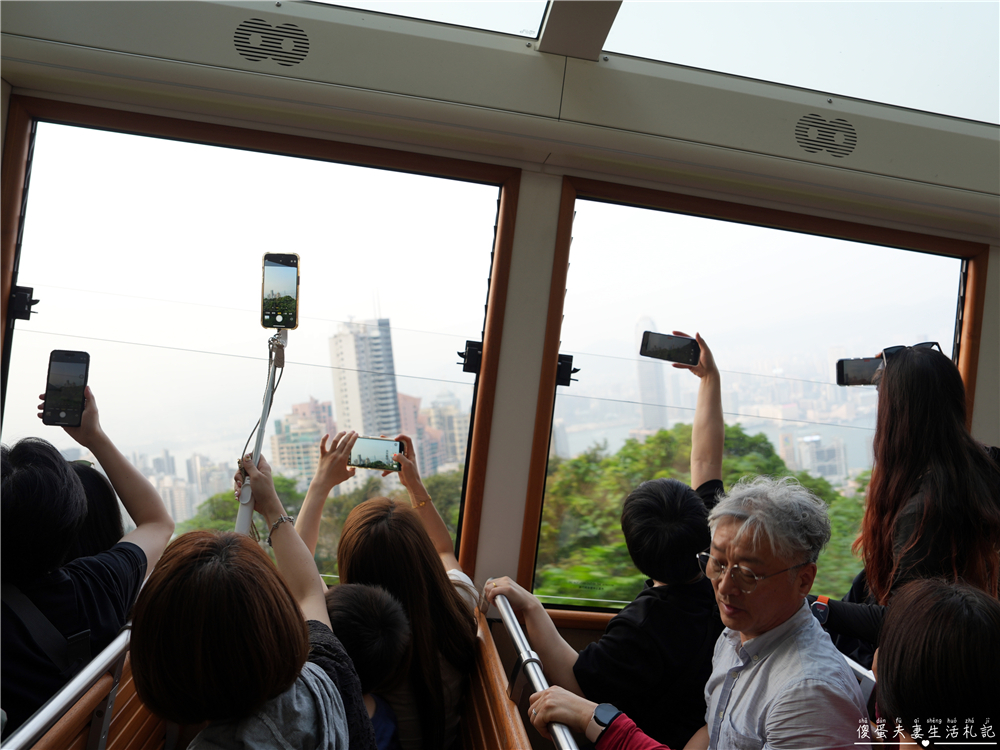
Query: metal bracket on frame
(518, 679)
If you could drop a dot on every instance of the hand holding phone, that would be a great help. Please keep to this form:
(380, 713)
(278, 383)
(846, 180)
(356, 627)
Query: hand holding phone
(332, 468)
(89, 431)
(681, 349)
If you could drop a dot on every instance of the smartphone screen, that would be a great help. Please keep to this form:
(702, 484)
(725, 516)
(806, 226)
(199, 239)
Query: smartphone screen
(279, 306)
(64, 399)
(375, 453)
(859, 371)
(671, 348)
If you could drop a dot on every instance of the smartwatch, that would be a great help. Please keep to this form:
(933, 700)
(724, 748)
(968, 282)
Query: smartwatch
(821, 609)
(604, 714)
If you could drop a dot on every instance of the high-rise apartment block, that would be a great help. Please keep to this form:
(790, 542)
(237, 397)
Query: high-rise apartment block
(295, 442)
(428, 442)
(652, 390)
(827, 461)
(447, 416)
(364, 378)
(320, 412)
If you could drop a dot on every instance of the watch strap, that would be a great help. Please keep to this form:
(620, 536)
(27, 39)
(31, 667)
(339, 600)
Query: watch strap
(595, 728)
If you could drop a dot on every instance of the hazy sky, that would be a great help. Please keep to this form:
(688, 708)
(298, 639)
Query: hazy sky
(147, 253)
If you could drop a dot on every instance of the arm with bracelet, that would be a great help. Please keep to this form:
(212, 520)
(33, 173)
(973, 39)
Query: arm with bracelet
(293, 558)
(422, 503)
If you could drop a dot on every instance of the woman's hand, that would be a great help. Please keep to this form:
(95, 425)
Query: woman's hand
(265, 497)
(561, 707)
(332, 468)
(409, 474)
(706, 362)
(520, 598)
(89, 433)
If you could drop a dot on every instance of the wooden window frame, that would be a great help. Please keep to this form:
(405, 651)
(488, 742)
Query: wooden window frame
(574, 187)
(24, 112)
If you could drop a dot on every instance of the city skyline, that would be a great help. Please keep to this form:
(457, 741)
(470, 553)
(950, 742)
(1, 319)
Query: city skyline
(779, 308)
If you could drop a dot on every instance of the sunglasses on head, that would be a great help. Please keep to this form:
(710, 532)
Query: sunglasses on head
(891, 350)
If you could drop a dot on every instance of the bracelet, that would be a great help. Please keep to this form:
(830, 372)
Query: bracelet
(422, 503)
(276, 524)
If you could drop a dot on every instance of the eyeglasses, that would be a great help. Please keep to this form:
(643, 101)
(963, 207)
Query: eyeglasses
(744, 578)
(890, 351)
(82, 462)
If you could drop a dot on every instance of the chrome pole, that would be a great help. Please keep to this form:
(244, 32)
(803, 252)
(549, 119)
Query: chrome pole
(532, 668)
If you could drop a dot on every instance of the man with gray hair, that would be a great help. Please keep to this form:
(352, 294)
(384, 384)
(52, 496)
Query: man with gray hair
(777, 680)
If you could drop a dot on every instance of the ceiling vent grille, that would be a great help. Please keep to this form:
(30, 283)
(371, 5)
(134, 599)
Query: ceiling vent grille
(285, 44)
(836, 137)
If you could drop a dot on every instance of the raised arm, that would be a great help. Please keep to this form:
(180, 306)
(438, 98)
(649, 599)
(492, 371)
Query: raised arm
(422, 503)
(153, 524)
(708, 433)
(331, 471)
(294, 559)
(557, 656)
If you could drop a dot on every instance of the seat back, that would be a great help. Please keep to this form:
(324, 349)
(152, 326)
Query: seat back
(132, 725)
(490, 719)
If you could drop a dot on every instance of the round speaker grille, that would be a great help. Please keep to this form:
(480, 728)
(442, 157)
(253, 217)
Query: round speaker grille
(258, 40)
(836, 137)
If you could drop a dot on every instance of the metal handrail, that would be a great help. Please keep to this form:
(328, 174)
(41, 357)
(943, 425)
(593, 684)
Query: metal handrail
(528, 665)
(45, 717)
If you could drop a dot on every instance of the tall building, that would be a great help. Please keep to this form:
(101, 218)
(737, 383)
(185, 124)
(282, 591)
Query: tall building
(447, 416)
(827, 461)
(320, 412)
(786, 449)
(176, 496)
(652, 391)
(428, 442)
(195, 466)
(165, 464)
(295, 443)
(364, 378)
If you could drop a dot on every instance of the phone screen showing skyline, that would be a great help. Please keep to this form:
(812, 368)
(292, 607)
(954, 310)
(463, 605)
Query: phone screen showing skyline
(375, 453)
(279, 303)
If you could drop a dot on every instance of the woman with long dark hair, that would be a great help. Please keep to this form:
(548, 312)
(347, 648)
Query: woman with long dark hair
(933, 506)
(407, 551)
(222, 635)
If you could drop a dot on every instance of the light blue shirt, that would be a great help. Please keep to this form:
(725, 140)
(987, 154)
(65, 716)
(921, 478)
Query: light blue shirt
(787, 688)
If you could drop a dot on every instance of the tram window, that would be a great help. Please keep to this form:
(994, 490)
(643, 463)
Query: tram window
(777, 309)
(147, 253)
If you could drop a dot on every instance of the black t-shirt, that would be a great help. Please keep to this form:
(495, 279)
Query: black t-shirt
(656, 655)
(327, 652)
(90, 593)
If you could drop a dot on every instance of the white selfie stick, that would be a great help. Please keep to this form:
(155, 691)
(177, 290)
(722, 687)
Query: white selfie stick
(276, 348)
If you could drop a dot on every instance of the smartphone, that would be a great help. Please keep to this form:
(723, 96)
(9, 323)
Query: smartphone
(858, 371)
(279, 301)
(671, 348)
(375, 453)
(64, 388)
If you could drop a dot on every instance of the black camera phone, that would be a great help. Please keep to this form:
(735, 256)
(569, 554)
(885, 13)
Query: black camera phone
(858, 371)
(64, 388)
(679, 349)
(279, 303)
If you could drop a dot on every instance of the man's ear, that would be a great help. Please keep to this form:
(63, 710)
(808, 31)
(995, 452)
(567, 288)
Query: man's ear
(805, 577)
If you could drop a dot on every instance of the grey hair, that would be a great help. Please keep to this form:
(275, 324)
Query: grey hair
(791, 518)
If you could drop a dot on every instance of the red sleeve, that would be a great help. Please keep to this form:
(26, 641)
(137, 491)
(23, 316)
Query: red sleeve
(623, 734)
